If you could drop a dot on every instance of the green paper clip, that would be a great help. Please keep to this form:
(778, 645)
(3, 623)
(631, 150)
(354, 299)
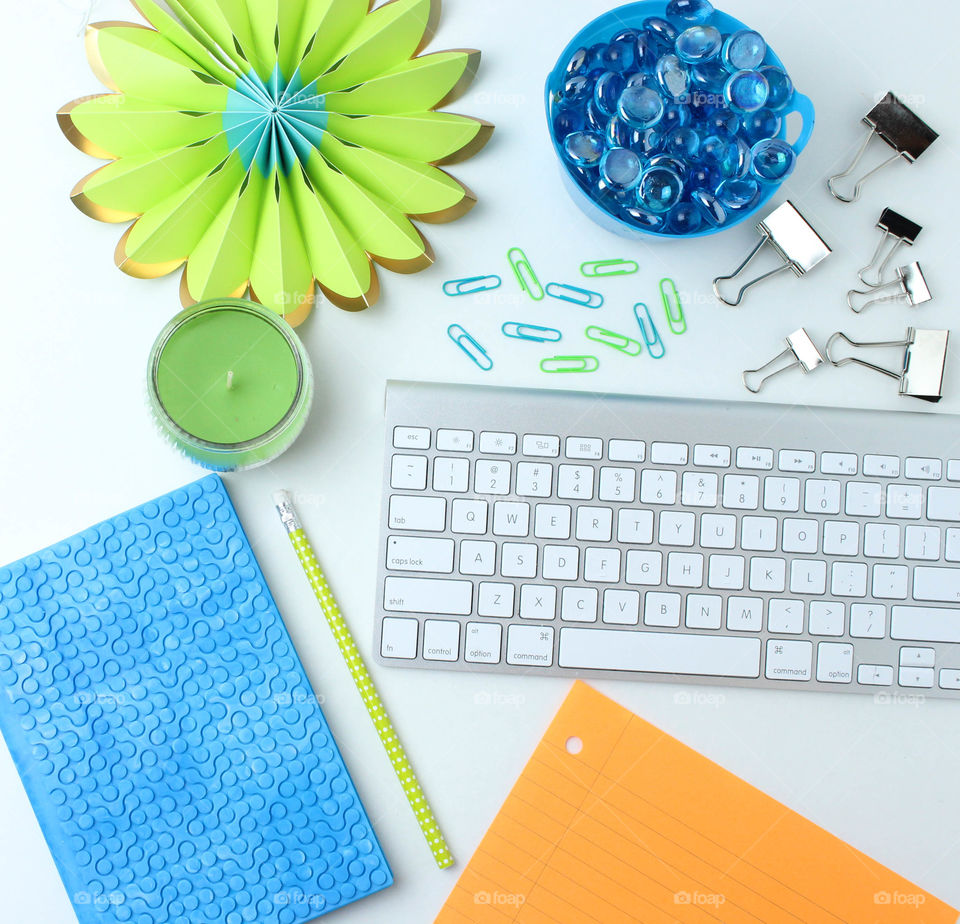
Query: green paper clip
(601, 268)
(471, 285)
(575, 295)
(673, 306)
(531, 332)
(617, 341)
(556, 365)
(651, 336)
(524, 272)
(470, 346)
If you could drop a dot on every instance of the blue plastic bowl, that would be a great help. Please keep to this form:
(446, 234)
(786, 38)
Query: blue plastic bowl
(601, 30)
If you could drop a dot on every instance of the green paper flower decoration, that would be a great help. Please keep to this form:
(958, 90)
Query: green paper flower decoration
(271, 145)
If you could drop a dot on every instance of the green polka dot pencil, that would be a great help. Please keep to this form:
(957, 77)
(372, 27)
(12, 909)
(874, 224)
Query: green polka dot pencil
(361, 677)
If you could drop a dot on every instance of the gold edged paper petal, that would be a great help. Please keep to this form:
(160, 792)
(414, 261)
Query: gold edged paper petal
(142, 270)
(474, 146)
(74, 135)
(91, 41)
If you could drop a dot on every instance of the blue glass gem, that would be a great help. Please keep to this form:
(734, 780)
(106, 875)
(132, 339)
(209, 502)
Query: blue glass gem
(661, 32)
(773, 160)
(577, 90)
(682, 142)
(619, 134)
(738, 194)
(685, 12)
(596, 120)
(673, 77)
(711, 211)
(764, 123)
(619, 56)
(675, 115)
(684, 218)
(660, 189)
(584, 149)
(642, 218)
(722, 122)
(640, 107)
(678, 166)
(567, 121)
(595, 53)
(643, 80)
(652, 141)
(699, 43)
(587, 177)
(744, 51)
(746, 91)
(578, 62)
(700, 176)
(609, 87)
(710, 76)
(781, 86)
(620, 168)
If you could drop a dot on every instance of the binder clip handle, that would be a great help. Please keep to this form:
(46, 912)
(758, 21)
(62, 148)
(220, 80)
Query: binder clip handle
(805, 354)
(743, 290)
(860, 345)
(854, 195)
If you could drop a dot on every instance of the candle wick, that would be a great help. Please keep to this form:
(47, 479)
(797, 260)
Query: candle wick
(230, 380)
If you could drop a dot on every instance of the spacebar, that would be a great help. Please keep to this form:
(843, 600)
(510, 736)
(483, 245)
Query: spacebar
(659, 652)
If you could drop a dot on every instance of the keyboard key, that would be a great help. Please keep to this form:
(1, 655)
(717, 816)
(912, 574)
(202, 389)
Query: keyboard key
(950, 679)
(755, 459)
(684, 569)
(455, 441)
(864, 499)
(602, 566)
(658, 487)
(534, 479)
(953, 470)
(669, 453)
(627, 451)
(561, 562)
(411, 438)
(890, 582)
(662, 610)
(594, 524)
(793, 460)
(881, 540)
(427, 595)
(451, 475)
(920, 678)
(423, 514)
(943, 504)
(530, 646)
(841, 538)
(834, 662)
(495, 600)
(875, 675)
(741, 492)
(789, 660)
(621, 607)
(408, 473)
(542, 447)
(575, 482)
(827, 618)
(808, 577)
(677, 528)
(498, 444)
(785, 617)
(718, 531)
(579, 604)
(580, 447)
(659, 652)
(726, 572)
(704, 611)
(538, 601)
(904, 502)
(938, 585)
(481, 643)
(801, 536)
(881, 466)
(821, 496)
(922, 543)
(409, 553)
(924, 469)
(868, 620)
(744, 614)
(759, 534)
(636, 527)
(711, 456)
(518, 559)
(478, 557)
(492, 477)
(839, 463)
(618, 484)
(398, 638)
(849, 579)
(441, 640)
(552, 521)
(925, 624)
(699, 489)
(917, 657)
(952, 551)
(768, 575)
(781, 494)
(511, 519)
(644, 568)
(469, 516)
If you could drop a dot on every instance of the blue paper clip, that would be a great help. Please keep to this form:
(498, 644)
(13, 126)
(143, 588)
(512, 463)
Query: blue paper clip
(575, 295)
(470, 346)
(471, 285)
(673, 306)
(528, 279)
(531, 332)
(651, 336)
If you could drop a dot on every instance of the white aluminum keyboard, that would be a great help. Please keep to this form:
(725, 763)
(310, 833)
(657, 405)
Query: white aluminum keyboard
(572, 535)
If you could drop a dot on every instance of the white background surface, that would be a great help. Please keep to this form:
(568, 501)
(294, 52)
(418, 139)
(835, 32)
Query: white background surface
(76, 444)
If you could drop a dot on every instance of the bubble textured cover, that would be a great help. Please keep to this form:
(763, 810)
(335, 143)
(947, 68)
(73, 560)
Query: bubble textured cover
(168, 738)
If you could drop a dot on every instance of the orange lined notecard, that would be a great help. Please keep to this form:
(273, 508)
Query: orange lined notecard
(615, 822)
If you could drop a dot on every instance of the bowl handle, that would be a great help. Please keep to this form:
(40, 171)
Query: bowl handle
(803, 105)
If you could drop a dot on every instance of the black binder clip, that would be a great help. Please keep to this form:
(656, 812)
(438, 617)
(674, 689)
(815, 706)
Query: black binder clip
(897, 125)
(805, 354)
(909, 285)
(899, 231)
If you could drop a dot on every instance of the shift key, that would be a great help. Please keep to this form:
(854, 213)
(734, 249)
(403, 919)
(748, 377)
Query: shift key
(426, 595)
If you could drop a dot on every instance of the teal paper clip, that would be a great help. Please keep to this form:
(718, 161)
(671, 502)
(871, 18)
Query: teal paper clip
(471, 285)
(601, 268)
(524, 272)
(531, 332)
(470, 346)
(673, 306)
(557, 365)
(612, 339)
(651, 336)
(577, 296)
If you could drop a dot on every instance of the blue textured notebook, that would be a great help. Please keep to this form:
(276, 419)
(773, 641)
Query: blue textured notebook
(168, 738)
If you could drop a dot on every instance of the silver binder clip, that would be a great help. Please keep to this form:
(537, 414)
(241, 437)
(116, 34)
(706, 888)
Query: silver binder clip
(805, 355)
(897, 125)
(895, 228)
(909, 285)
(924, 361)
(794, 239)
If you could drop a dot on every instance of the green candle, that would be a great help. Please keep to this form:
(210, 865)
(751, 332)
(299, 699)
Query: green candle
(230, 384)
